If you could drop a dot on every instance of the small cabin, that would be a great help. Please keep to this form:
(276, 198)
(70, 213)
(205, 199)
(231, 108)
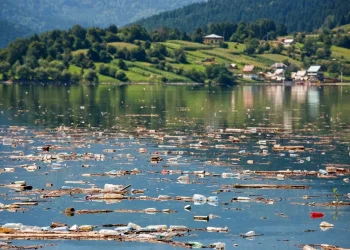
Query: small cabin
(233, 66)
(213, 40)
(301, 75)
(249, 72)
(278, 66)
(287, 42)
(315, 73)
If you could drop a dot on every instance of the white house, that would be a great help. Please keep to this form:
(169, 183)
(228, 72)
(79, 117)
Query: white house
(315, 73)
(249, 72)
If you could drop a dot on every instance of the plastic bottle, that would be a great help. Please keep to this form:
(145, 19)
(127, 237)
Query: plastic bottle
(316, 215)
(164, 197)
(13, 225)
(199, 197)
(150, 210)
(249, 234)
(195, 244)
(19, 183)
(66, 188)
(86, 228)
(133, 226)
(123, 229)
(217, 229)
(157, 227)
(201, 218)
(307, 247)
(213, 199)
(73, 228)
(218, 245)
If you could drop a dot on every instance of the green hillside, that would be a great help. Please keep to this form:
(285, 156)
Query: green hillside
(131, 54)
(297, 15)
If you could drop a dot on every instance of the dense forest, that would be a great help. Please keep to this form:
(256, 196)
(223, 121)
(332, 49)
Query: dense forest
(43, 15)
(132, 53)
(297, 15)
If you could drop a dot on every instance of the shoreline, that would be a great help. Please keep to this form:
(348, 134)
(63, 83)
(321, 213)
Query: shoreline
(194, 84)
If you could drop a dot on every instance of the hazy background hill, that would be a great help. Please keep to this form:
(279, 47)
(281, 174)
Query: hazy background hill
(297, 15)
(43, 15)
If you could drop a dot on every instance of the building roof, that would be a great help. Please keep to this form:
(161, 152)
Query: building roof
(278, 65)
(278, 71)
(248, 68)
(288, 40)
(233, 65)
(301, 73)
(314, 69)
(214, 36)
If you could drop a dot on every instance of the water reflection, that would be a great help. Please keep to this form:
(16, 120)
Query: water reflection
(161, 107)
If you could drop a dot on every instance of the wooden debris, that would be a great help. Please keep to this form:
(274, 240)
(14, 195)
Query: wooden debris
(266, 186)
(84, 236)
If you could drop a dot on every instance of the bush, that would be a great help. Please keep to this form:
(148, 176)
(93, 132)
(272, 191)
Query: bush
(120, 75)
(224, 45)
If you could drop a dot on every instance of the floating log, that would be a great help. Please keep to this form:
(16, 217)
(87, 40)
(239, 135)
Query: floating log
(266, 186)
(85, 211)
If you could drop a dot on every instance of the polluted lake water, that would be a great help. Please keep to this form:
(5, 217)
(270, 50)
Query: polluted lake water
(167, 167)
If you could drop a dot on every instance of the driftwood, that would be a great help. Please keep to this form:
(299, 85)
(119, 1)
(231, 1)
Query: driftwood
(25, 247)
(266, 186)
(328, 204)
(85, 211)
(325, 247)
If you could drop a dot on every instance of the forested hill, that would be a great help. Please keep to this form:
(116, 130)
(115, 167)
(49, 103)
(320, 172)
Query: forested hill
(297, 15)
(43, 15)
(10, 31)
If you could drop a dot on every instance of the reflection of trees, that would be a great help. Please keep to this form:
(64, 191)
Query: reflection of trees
(176, 107)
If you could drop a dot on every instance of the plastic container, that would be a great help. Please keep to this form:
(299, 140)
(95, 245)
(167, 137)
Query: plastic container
(315, 215)
(60, 229)
(322, 171)
(108, 232)
(13, 225)
(111, 187)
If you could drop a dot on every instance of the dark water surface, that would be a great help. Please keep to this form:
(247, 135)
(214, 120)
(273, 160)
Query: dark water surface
(121, 118)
